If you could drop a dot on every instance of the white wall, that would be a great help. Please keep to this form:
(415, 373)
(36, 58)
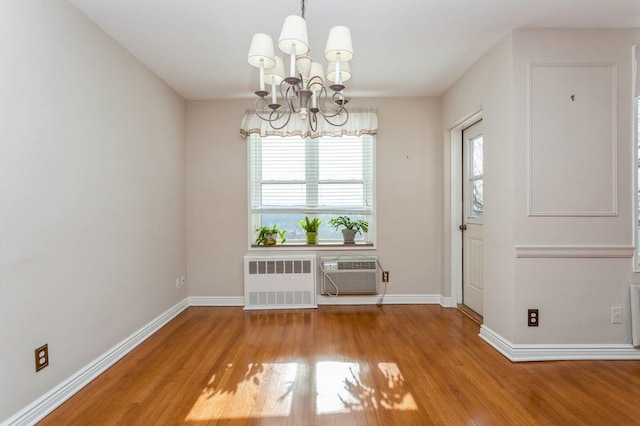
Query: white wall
(409, 195)
(92, 195)
(486, 87)
(575, 295)
(216, 198)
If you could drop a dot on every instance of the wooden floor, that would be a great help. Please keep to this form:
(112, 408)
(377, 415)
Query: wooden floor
(345, 365)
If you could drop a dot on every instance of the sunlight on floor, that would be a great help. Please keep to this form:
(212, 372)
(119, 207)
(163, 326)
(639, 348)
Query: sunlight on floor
(343, 387)
(332, 396)
(396, 397)
(268, 390)
(264, 391)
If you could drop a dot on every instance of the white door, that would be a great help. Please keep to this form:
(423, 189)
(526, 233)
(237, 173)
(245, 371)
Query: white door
(473, 169)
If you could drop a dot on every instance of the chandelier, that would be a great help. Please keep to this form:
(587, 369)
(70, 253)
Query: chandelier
(302, 90)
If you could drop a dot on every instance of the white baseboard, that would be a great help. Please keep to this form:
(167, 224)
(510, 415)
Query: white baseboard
(557, 352)
(48, 402)
(388, 299)
(448, 302)
(216, 301)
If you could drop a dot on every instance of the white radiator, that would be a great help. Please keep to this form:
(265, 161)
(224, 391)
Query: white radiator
(344, 275)
(635, 314)
(279, 282)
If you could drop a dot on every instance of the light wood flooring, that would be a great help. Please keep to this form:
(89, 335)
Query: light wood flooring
(345, 365)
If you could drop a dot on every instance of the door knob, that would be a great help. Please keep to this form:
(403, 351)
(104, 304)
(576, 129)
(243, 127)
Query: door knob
(462, 227)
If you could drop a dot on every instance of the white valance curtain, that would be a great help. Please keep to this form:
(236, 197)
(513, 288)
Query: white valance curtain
(362, 121)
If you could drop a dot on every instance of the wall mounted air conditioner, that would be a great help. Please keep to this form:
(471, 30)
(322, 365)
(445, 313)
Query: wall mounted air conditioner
(278, 282)
(342, 275)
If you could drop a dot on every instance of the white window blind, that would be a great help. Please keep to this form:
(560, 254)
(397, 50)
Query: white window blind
(294, 177)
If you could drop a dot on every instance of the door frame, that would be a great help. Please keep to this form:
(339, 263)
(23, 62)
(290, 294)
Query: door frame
(453, 202)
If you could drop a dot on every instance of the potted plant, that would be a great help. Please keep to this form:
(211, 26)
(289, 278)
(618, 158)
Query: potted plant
(349, 227)
(268, 236)
(311, 227)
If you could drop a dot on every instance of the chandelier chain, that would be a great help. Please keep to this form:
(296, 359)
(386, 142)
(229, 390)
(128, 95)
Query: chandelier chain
(303, 7)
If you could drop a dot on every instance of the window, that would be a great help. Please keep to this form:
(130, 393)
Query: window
(325, 177)
(473, 169)
(476, 204)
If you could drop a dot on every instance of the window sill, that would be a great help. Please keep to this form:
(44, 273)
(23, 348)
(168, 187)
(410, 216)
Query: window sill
(359, 245)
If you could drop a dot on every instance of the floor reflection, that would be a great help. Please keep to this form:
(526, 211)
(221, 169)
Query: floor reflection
(333, 396)
(263, 391)
(343, 387)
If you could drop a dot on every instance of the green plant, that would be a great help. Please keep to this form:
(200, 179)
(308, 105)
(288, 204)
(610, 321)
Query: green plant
(346, 222)
(268, 236)
(310, 225)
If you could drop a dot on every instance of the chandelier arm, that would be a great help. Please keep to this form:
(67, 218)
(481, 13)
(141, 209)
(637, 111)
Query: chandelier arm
(315, 82)
(313, 122)
(290, 94)
(338, 99)
(279, 116)
(283, 94)
(257, 108)
(328, 114)
(346, 118)
(321, 97)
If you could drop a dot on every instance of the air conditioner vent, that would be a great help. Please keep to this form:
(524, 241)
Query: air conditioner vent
(356, 265)
(349, 275)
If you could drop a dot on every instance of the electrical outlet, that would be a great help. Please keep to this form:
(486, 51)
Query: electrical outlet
(616, 315)
(177, 283)
(533, 317)
(42, 357)
(385, 276)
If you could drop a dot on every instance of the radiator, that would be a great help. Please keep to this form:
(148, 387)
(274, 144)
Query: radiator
(344, 275)
(635, 314)
(279, 282)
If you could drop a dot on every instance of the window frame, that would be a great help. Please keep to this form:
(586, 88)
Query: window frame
(472, 178)
(312, 175)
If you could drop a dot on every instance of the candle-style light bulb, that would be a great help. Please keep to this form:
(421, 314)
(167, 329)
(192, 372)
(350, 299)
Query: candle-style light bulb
(292, 63)
(274, 96)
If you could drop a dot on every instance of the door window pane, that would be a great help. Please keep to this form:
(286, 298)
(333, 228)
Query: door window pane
(475, 178)
(476, 164)
(476, 198)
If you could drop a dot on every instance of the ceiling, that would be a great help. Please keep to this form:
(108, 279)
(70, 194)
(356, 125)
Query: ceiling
(402, 47)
